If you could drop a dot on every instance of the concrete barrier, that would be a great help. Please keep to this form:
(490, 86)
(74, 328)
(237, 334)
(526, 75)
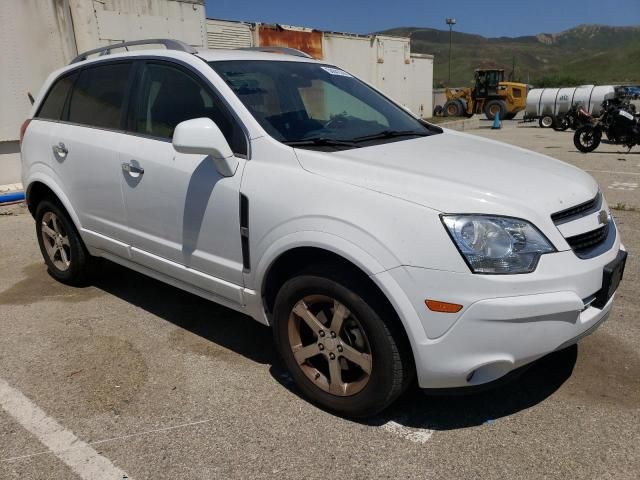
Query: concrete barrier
(462, 125)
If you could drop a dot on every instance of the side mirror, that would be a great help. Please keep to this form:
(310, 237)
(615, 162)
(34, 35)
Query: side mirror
(202, 136)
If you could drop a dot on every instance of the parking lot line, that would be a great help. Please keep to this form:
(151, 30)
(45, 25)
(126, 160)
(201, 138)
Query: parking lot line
(416, 435)
(78, 455)
(613, 172)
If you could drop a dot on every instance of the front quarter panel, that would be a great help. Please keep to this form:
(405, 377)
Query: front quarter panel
(291, 207)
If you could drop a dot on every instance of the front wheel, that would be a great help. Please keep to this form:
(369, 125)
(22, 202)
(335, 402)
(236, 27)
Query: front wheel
(341, 344)
(587, 138)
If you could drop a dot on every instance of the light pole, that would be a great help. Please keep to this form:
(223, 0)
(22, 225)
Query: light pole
(451, 22)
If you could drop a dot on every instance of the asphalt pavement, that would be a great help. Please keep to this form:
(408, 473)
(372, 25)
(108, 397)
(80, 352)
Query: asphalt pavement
(133, 378)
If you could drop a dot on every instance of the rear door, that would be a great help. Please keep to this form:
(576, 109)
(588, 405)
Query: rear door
(85, 149)
(183, 216)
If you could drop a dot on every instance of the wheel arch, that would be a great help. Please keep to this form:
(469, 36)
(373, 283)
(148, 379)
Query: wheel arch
(40, 188)
(292, 260)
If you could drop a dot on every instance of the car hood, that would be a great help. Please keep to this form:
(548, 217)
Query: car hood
(456, 172)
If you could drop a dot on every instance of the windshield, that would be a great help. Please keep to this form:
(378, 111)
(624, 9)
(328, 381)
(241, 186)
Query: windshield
(314, 105)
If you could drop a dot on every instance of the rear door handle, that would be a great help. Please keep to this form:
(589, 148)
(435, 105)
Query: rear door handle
(132, 169)
(60, 150)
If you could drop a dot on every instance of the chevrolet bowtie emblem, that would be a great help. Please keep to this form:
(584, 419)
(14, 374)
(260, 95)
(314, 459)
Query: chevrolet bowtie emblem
(603, 217)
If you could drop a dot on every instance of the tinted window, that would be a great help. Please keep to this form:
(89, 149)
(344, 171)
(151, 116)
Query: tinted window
(53, 104)
(169, 95)
(98, 96)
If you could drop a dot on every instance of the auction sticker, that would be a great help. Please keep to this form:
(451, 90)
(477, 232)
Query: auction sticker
(335, 71)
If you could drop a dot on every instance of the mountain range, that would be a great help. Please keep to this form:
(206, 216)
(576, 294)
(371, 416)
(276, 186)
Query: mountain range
(596, 54)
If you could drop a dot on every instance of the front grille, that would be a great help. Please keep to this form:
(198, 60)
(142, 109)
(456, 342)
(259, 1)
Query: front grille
(578, 211)
(589, 240)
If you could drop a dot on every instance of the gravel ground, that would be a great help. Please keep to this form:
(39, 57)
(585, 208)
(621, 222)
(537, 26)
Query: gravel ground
(167, 385)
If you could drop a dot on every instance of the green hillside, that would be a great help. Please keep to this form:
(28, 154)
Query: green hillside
(584, 54)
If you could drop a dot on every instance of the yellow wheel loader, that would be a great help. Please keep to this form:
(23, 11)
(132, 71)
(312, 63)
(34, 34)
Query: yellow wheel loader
(490, 95)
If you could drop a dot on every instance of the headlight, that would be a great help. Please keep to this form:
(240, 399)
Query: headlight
(492, 244)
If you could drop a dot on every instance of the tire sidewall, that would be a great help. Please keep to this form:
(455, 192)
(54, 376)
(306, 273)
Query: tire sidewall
(375, 395)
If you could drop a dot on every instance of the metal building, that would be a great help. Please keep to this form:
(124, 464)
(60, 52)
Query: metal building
(39, 36)
(383, 61)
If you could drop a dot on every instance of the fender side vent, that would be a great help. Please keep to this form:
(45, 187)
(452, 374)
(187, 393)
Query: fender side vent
(244, 232)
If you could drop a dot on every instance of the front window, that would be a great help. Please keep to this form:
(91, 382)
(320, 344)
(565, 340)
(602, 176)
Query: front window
(313, 105)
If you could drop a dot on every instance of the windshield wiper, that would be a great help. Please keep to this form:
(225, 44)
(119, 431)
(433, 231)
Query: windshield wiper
(319, 142)
(391, 134)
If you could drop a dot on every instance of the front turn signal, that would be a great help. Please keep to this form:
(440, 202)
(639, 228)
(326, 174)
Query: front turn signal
(442, 307)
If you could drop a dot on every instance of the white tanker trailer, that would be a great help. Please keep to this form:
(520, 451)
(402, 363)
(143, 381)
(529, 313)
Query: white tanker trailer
(547, 103)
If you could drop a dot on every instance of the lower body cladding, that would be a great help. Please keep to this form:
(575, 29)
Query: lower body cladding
(507, 321)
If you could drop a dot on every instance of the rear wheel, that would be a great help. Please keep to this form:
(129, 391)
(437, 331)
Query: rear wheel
(546, 121)
(341, 343)
(561, 124)
(587, 138)
(62, 248)
(453, 108)
(495, 107)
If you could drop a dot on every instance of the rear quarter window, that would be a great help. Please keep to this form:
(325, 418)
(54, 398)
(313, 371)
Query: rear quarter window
(53, 104)
(99, 94)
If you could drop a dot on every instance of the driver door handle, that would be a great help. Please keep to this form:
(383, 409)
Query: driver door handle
(129, 168)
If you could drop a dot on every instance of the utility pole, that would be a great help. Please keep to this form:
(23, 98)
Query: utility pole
(451, 22)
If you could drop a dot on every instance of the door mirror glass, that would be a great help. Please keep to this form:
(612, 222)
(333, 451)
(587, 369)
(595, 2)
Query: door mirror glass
(202, 136)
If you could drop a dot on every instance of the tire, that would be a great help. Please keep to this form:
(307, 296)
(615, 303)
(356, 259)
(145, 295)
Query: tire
(453, 108)
(371, 328)
(561, 124)
(587, 138)
(64, 253)
(492, 107)
(546, 121)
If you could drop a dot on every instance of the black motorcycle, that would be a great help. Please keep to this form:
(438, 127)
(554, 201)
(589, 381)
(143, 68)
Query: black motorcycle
(617, 121)
(574, 118)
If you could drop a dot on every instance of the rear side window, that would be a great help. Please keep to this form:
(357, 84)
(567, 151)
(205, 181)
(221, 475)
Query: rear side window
(98, 96)
(53, 104)
(169, 95)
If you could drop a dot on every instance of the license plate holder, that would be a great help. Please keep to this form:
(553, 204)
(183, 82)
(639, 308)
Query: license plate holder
(611, 278)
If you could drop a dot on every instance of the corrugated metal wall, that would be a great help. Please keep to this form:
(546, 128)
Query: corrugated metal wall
(112, 21)
(35, 39)
(224, 34)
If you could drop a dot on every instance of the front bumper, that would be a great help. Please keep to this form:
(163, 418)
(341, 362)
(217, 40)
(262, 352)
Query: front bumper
(507, 320)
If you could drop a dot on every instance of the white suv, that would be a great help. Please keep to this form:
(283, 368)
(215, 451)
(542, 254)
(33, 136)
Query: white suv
(378, 247)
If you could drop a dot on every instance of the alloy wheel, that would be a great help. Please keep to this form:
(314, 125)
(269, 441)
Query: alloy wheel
(330, 345)
(56, 241)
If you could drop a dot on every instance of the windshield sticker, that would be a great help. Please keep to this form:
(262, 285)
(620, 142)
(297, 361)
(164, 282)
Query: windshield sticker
(336, 71)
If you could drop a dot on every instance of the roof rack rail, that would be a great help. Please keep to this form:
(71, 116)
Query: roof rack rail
(168, 43)
(282, 50)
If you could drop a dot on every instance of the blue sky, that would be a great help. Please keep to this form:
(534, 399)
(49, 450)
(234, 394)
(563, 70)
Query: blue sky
(489, 18)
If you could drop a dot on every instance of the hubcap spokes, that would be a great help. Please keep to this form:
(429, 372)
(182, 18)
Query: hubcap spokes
(329, 345)
(56, 241)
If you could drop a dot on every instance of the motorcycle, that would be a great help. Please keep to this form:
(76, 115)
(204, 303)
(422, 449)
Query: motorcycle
(574, 118)
(617, 121)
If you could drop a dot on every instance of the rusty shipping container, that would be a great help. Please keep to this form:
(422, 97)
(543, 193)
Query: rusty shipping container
(304, 39)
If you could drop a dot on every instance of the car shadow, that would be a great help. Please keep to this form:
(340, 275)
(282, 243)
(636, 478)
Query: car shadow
(244, 336)
(215, 323)
(457, 409)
